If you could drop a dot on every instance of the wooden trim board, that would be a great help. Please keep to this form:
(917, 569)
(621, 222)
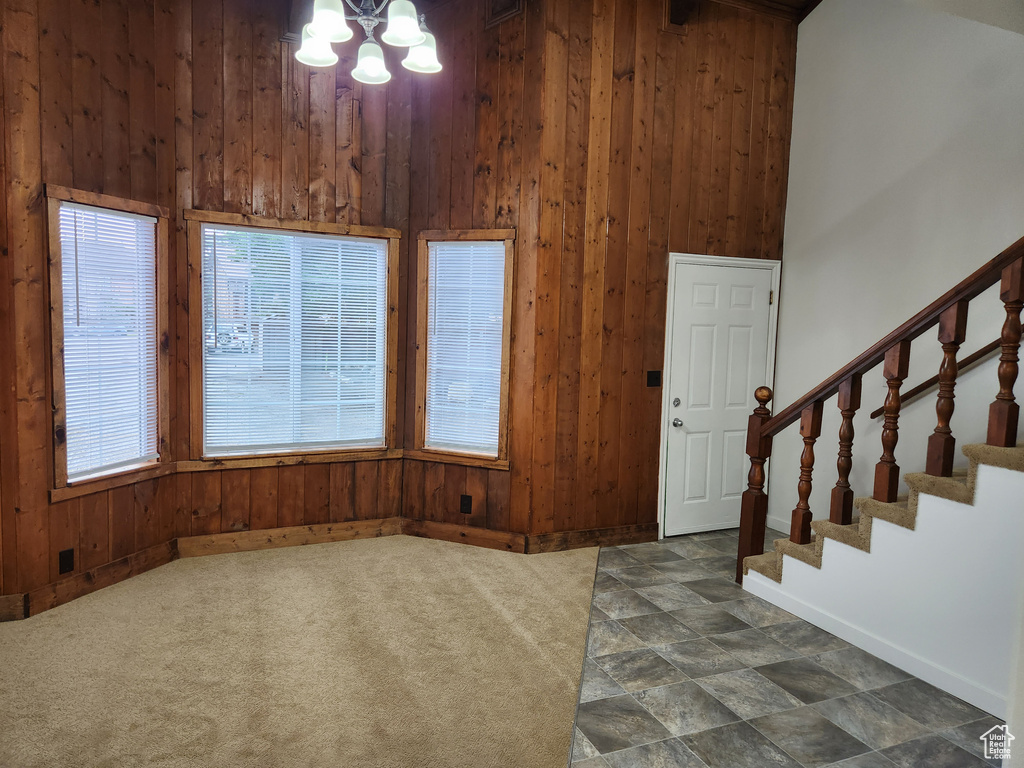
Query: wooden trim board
(596, 537)
(249, 541)
(465, 534)
(13, 607)
(68, 589)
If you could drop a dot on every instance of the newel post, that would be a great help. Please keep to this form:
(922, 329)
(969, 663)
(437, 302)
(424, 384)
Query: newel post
(754, 510)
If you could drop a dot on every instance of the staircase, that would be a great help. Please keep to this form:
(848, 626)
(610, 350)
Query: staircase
(837, 570)
(959, 487)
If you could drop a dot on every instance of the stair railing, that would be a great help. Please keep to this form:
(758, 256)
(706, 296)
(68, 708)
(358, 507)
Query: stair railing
(949, 312)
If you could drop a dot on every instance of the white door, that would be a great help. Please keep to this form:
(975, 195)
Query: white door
(717, 356)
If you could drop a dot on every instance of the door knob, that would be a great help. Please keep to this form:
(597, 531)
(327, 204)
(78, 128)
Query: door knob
(677, 422)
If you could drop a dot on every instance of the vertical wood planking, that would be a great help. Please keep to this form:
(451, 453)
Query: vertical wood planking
(486, 147)
(64, 534)
(183, 192)
(464, 63)
(433, 492)
(573, 245)
(146, 515)
(721, 132)
(116, 112)
(25, 211)
(476, 488)
(780, 122)
(142, 98)
(703, 115)
(238, 105)
(374, 148)
(235, 500)
(619, 187)
(294, 139)
(55, 66)
(549, 263)
(266, 110)
(389, 500)
(87, 88)
(592, 324)
(454, 487)
(316, 494)
(637, 233)
(524, 315)
(343, 492)
(367, 489)
(208, 104)
(122, 522)
(322, 146)
(263, 501)
(93, 531)
(739, 142)
(291, 488)
(412, 490)
(206, 503)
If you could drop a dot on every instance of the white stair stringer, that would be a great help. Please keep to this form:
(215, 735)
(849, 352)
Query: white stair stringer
(940, 601)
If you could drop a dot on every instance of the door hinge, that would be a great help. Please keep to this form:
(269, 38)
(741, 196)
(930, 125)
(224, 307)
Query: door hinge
(771, 297)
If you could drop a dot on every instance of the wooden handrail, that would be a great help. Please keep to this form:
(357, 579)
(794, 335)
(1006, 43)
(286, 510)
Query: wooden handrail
(968, 362)
(970, 287)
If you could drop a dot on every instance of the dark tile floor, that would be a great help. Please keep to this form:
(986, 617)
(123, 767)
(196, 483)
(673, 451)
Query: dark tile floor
(685, 669)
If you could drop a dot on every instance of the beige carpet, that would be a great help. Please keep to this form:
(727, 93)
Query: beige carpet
(395, 652)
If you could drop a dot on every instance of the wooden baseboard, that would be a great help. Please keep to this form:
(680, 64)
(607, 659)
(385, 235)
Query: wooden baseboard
(248, 541)
(465, 534)
(68, 589)
(595, 537)
(13, 607)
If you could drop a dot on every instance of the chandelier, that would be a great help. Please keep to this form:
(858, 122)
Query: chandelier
(405, 29)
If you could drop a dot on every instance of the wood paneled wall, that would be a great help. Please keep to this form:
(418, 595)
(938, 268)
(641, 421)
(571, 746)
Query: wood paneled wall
(189, 105)
(604, 140)
(607, 142)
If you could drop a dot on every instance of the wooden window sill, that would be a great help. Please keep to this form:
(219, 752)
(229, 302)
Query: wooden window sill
(124, 477)
(465, 459)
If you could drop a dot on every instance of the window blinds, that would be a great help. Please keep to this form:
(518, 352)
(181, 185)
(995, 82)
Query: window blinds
(294, 341)
(108, 282)
(465, 313)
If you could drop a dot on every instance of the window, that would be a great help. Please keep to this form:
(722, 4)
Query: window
(106, 322)
(464, 284)
(294, 340)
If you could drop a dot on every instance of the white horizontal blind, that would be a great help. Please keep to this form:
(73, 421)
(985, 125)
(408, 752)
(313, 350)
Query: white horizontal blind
(294, 341)
(465, 315)
(108, 282)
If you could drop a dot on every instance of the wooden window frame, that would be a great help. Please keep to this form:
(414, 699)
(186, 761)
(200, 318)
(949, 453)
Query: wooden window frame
(195, 219)
(420, 451)
(62, 488)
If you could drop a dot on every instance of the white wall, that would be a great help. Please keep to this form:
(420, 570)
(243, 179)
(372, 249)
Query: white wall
(940, 601)
(905, 177)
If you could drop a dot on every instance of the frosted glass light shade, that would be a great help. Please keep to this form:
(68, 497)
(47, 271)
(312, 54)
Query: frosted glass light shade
(423, 57)
(329, 21)
(316, 51)
(370, 67)
(403, 25)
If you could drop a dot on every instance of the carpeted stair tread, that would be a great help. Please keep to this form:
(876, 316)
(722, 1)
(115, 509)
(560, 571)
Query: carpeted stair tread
(851, 535)
(767, 565)
(898, 512)
(807, 553)
(957, 488)
(1007, 458)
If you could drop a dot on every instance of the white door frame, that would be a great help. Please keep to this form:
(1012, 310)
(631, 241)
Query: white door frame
(675, 261)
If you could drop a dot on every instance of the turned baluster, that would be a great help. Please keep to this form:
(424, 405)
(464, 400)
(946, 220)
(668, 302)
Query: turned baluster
(841, 511)
(887, 471)
(810, 429)
(952, 331)
(1004, 412)
(754, 507)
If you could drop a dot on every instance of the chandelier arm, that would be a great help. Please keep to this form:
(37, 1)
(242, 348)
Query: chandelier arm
(355, 8)
(380, 7)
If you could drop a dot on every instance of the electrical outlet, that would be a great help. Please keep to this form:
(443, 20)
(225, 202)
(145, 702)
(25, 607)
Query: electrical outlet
(66, 561)
(466, 505)
(654, 378)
